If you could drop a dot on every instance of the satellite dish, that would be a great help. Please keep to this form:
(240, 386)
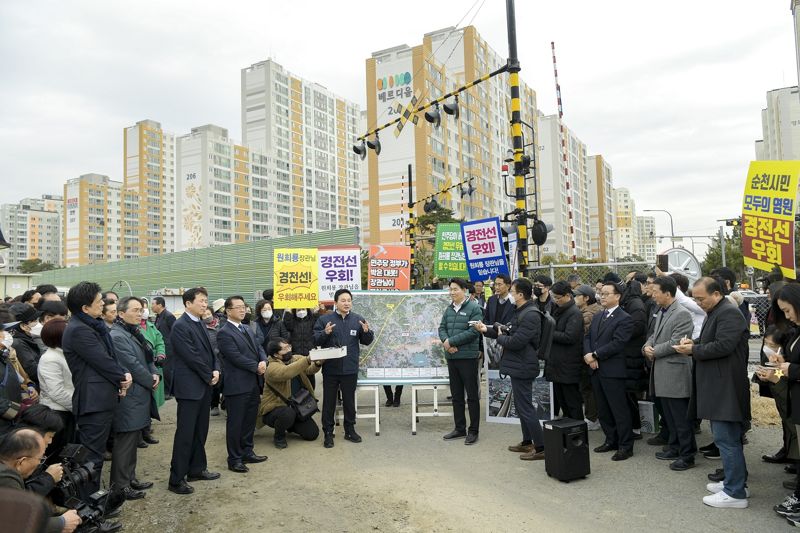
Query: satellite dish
(683, 261)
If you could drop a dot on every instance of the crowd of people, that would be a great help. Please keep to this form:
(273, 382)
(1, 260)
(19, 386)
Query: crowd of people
(93, 369)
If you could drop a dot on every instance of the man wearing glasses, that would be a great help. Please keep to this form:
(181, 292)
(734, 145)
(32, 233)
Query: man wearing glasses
(604, 354)
(21, 453)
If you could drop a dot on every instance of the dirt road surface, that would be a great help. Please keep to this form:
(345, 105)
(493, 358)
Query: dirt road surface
(397, 482)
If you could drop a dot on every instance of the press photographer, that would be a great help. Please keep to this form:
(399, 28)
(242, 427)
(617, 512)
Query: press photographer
(21, 453)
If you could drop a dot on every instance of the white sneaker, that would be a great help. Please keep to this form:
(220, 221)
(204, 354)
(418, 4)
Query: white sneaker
(717, 487)
(722, 500)
(592, 426)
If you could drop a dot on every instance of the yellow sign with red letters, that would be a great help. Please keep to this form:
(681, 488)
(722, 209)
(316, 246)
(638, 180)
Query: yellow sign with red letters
(768, 210)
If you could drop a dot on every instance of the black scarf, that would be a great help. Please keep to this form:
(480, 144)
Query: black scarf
(134, 330)
(100, 327)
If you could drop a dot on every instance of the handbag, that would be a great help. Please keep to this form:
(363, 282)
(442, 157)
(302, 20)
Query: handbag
(302, 402)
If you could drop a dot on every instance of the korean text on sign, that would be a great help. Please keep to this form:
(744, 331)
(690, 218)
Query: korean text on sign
(483, 249)
(339, 268)
(295, 278)
(389, 268)
(768, 207)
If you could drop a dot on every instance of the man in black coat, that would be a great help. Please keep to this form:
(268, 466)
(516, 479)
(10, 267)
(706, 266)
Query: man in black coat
(98, 378)
(195, 372)
(164, 322)
(520, 362)
(565, 360)
(499, 308)
(244, 364)
(604, 347)
(721, 389)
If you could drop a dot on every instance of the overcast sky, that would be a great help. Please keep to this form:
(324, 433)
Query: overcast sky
(670, 93)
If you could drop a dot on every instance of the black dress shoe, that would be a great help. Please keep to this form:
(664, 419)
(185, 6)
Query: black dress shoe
(621, 455)
(132, 494)
(472, 438)
(790, 484)
(777, 458)
(238, 467)
(637, 436)
(681, 464)
(142, 444)
(389, 402)
(396, 402)
(328, 443)
(707, 448)
(181, 488)
(205, 475)
(149, 439)
(717, 476)
(141, 485)
(280, 443)
(455, 434)
(254, 458)
(656, 441)
(605, 447)
(790, 469)
(352, 436)
(667, 456)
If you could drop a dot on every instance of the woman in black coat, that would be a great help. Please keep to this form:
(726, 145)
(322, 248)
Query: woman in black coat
(565, 360)
(300, 325)
(636, 380)
(267, 325)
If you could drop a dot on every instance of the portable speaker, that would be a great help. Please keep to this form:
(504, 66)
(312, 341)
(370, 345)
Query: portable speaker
(566, 449)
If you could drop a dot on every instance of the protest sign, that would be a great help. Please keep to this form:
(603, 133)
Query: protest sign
(448, 258)
(389, 268)
(295, 278)
(483, 249)
(768, 209)
(339, 268)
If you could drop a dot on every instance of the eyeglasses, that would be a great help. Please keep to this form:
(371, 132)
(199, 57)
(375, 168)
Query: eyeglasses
(238, 307)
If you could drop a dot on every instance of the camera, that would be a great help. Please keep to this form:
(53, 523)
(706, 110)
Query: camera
(504, 329)
(72, 489)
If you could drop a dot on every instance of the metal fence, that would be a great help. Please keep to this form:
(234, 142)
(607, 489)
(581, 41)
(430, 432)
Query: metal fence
(589, 273)
(759, 309)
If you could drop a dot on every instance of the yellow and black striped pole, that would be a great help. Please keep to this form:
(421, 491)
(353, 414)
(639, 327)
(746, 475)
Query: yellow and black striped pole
(516, 134)
(410, 228)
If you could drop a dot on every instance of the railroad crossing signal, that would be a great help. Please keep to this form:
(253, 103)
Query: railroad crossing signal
(407, 113)
(733, 222)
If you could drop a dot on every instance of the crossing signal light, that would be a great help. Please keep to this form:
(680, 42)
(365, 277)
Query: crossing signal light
(733, 222)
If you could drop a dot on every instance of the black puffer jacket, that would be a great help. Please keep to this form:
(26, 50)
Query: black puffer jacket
(301, 332)
(28, 353)
(565, 360)
(520, 358)
(631, 302)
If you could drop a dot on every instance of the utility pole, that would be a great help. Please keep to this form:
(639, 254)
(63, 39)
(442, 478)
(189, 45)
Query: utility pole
(722, 245)
(411, 228)
(516, 135)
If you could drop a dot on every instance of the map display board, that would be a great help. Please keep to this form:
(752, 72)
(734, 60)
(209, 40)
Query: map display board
(406, 326)
(500, 402)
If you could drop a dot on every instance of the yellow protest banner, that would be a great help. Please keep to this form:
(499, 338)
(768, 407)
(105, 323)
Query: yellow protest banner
(295, 278)
(768, 209)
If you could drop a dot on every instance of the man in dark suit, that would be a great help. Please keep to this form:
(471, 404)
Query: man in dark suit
(604, 344)
(671, 375)
(244, 364)
(164, 322)
(195, 372)
(721, 392)
(98, 378)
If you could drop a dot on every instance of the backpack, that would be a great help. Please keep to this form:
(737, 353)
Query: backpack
(548, 326)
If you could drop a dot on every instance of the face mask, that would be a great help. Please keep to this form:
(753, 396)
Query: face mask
(6, 339)
(145, 314)
(266, 315)
(769, 351)
(36, 331)
(208, 319)
(302, 313)
(537, 291)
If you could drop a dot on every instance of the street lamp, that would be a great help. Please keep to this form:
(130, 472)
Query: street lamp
(671, 225)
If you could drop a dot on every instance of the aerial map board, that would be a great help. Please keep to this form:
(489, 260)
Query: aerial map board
(406, 326)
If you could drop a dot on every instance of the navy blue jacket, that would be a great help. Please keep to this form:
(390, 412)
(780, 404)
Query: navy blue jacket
(240, 355)
(193, 359)
(96, 374)
(347, 332)
(608, 341)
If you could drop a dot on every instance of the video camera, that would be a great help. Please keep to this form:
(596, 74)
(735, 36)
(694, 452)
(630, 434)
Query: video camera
(77, 472)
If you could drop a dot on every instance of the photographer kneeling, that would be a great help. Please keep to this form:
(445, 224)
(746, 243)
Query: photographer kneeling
(282, 368)
(21, 453)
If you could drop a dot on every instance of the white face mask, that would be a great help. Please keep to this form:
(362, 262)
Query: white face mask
(36, 331)
(266, 315)
(6, 339)
(302, 313)
(769, 351)
(145, 313)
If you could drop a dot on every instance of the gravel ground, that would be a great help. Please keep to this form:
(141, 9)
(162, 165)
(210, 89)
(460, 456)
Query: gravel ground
(397, 482)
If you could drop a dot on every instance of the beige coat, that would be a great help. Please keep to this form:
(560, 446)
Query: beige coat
(279, 375)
